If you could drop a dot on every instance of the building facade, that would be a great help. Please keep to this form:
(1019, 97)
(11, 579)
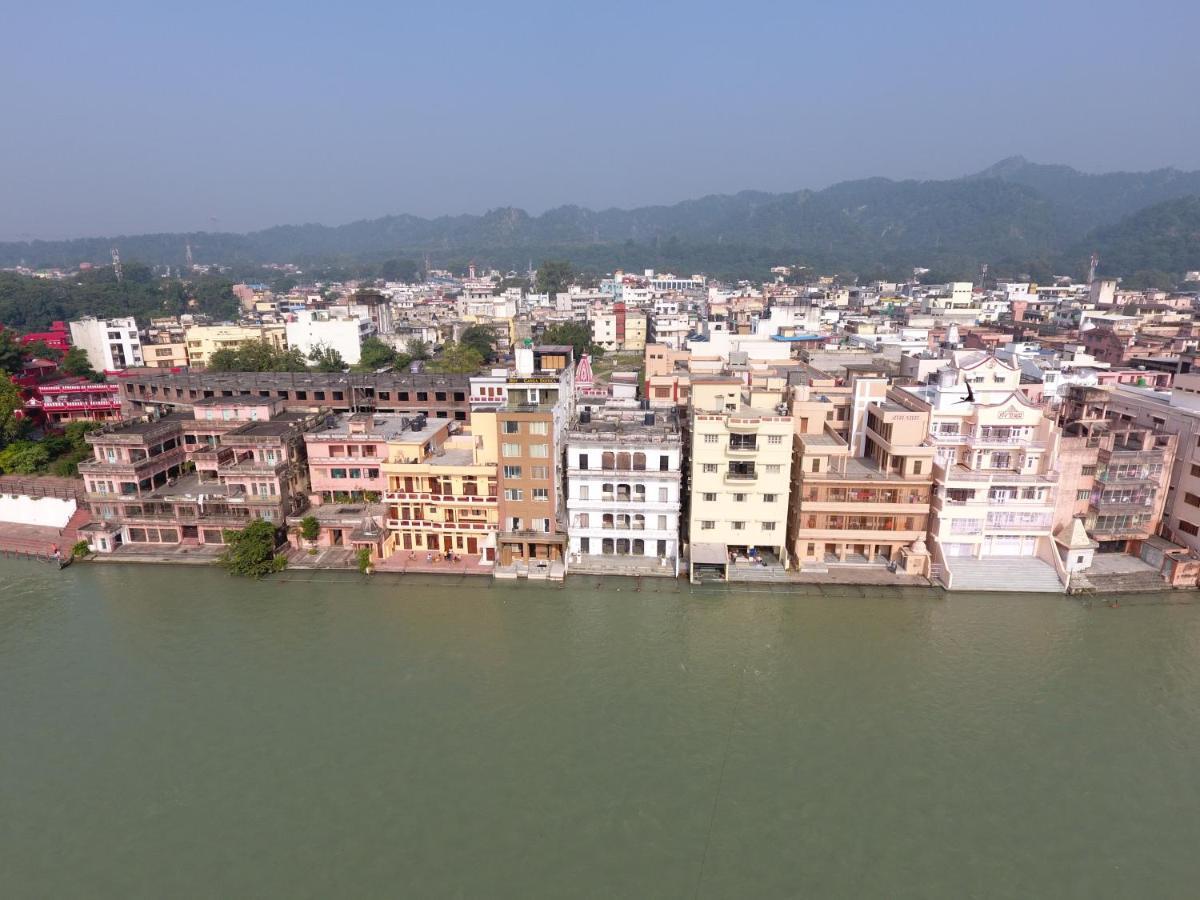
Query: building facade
(110, 344)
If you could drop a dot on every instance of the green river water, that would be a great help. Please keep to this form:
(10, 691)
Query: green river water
(174, 733)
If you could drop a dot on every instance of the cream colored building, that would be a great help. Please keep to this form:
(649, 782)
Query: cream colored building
(740, 479)
(165, 356)
(635, 330)
(994, 478)
(205, 340)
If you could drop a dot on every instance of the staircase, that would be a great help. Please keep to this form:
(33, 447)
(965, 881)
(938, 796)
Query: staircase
(70, 531)
(1021, 574)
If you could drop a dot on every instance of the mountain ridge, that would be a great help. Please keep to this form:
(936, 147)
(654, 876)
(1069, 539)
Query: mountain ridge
(1011, 211)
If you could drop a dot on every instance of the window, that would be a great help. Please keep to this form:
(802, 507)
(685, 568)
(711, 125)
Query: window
(583, 492)
(774, 438)
(585, 545)
(708, 525)
(1195, 471)
(540, 473)
(512, 427)
(583, 460)
(774, 468)
(510, 449)
(710, 498)
(917, 467)
(337, 473)
(542, 494)
(1088, 470)
(768, 526)
(710, 468)
(710, 438)
(1188, 528)
(1191, 500)
(512, 471)
(539, 451)
(739, 526)
(514, 494)
(539, 428)
(739, 498)
(770, 498)
(663, 495)
(1083, 495)
(664, 464)
(816, 465)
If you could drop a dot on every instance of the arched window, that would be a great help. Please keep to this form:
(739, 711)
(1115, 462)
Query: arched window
(639, 522)
(639, 547)
(623, 461)
(608, 460)
(639, 462)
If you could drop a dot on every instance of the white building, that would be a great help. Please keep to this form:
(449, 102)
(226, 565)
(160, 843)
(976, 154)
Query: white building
(311, 329)
(623, 490)
(110, 344)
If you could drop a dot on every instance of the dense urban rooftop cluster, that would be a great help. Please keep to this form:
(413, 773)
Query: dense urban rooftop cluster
(960, 434)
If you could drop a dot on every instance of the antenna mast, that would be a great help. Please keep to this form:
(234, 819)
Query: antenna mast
(116, 258)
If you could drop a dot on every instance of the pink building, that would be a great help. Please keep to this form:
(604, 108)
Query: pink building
(344, 456)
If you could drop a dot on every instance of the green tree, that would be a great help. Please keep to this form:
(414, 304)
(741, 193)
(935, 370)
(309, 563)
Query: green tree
(363, 558)
(12, 425)
(77, 363)
(251, 551)
(257, 356)
(374, 355)
(23, 458)
(554, 276)
(12, 354)
(481, 339)
(310, 528)
(457, 359)
(327, 359)
(417, 349)
(577, 334)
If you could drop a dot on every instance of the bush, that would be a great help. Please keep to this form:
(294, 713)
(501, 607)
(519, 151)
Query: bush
(80, 550)
(364, 559)
(251, 551)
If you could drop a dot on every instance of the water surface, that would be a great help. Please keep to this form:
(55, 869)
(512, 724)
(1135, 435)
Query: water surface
(180, 733)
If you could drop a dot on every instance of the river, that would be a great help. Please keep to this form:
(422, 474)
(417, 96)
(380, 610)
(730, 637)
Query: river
(180, 733)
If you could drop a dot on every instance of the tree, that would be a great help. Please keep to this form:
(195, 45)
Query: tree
(327, 359)
(12, 354)
(418, 349)
(12, 425)
(363, 558)
(257, 356)
(310, 528)
(577, 334)
(554, 276)
(251, 551)
(76, 363)
(374, 355)
(23, 458)
(399, 270)
(457, 359)
(481, 339)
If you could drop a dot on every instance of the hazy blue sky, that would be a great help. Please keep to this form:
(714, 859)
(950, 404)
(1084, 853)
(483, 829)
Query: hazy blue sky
(131, 117)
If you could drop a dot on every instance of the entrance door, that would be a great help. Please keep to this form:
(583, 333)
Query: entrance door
(472, 545)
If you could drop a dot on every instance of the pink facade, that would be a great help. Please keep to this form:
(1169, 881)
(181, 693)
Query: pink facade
(345, 456)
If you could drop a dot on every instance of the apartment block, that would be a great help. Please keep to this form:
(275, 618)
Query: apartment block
(740, 481)
(624, 466)
(110, 344)
(204, 340)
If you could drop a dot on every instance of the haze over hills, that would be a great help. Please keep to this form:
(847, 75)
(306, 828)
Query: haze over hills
(1011, 215)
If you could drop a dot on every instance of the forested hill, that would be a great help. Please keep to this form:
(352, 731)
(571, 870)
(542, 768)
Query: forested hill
(1010, 215)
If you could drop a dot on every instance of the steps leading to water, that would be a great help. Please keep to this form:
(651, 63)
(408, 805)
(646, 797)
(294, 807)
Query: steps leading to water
(1004, 573)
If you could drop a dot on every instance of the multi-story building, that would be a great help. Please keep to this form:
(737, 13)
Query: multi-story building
(346, 455)
(863, 498)
(1131, 475)
(172, 355)
(110, 344)
(311, 330)
(434, 396)
(442, 492)
(50, 399)
(249, 464)
(202, 341)
(624, 465)
(994, 479)
(740, 480)
(531, 427)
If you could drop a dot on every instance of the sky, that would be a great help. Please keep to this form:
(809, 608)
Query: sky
(134, 117)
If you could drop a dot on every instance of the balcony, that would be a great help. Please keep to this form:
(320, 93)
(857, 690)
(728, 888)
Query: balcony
(741, 477)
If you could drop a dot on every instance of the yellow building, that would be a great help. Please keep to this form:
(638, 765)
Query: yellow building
(205, 340)
(635, 330)
(740, 479)
(442, 495)
(165, 356)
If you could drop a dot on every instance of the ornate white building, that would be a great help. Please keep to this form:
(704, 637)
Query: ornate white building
(623, 490)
